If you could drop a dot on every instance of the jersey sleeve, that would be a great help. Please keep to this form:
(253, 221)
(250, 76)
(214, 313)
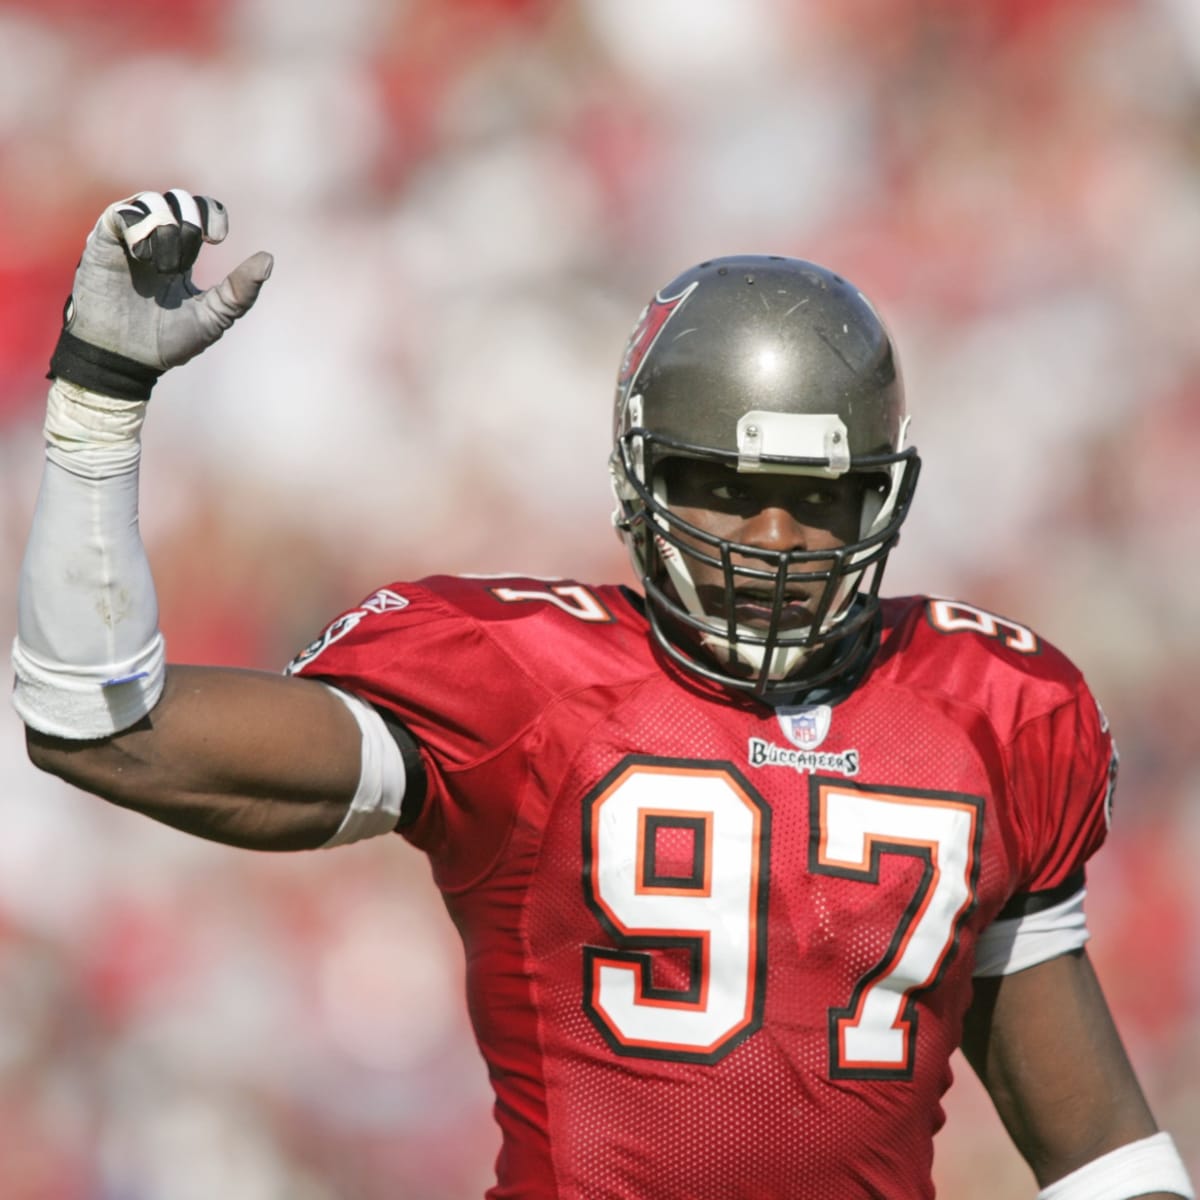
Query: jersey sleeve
(426, 662)
(1062, 770)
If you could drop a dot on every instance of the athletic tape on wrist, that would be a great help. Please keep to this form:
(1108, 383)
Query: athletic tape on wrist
(100, 370)
(90, 434)
(1138, 1169)
(75, 415)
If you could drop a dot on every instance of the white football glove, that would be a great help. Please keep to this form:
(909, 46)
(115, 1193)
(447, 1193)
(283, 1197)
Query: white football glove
(134, 311)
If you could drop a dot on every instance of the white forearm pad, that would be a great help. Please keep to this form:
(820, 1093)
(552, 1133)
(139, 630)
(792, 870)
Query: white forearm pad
(88, 657)
(375, 808)
(1139, 1169)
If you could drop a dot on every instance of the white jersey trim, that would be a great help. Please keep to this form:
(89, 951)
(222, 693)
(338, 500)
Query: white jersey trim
(1021, 942)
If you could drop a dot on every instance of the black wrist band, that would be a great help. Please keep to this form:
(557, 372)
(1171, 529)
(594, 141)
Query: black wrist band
(100, 370)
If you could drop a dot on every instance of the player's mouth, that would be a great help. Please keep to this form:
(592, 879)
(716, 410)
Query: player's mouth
(756, 609)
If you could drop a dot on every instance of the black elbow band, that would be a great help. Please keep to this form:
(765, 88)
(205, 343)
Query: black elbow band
(99, 370)
(416, 782)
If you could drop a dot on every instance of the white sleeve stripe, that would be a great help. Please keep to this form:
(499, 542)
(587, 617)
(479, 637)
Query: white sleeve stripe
(1021, 942)
(375, 808)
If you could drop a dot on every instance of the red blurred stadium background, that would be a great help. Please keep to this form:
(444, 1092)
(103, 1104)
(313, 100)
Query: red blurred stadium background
(469, 201)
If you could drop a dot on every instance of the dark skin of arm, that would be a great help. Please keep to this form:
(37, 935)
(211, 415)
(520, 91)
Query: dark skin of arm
(1044, 1045)
(267, 762)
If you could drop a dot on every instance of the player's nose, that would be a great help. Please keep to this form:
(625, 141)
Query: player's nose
(774, 527)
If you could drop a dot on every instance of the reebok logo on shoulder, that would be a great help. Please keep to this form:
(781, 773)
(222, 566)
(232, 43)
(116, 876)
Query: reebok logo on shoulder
(382, 601)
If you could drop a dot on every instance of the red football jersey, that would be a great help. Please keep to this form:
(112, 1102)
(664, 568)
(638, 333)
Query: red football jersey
(718, 950)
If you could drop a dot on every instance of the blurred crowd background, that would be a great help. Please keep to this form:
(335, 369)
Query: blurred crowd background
(469, 201)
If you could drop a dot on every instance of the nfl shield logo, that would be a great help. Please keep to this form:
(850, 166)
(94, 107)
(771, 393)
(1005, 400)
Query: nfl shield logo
(805, 725)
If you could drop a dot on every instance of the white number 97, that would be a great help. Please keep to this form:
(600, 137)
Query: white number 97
(675, 869)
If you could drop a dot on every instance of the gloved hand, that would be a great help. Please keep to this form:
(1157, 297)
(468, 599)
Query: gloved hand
(134, 311)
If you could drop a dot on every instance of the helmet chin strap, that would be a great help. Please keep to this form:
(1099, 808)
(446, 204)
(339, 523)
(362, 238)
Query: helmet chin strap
(784, 659)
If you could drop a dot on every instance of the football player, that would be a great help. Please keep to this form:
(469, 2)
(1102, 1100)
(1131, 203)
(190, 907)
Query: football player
(738, 859)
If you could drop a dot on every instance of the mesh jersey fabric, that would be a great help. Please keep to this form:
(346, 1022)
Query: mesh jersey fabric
(716, 950)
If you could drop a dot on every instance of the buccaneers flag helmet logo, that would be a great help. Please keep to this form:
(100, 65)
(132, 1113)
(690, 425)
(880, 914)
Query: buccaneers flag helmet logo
(647, 330)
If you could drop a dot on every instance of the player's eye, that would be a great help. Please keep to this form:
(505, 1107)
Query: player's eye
(819, 497)
(729, 492)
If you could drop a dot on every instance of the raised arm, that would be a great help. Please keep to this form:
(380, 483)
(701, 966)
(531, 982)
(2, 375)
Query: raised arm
(1044, 1045)
(242, 757)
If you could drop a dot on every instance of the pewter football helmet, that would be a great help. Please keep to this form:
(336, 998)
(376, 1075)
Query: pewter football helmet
(764, 364)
